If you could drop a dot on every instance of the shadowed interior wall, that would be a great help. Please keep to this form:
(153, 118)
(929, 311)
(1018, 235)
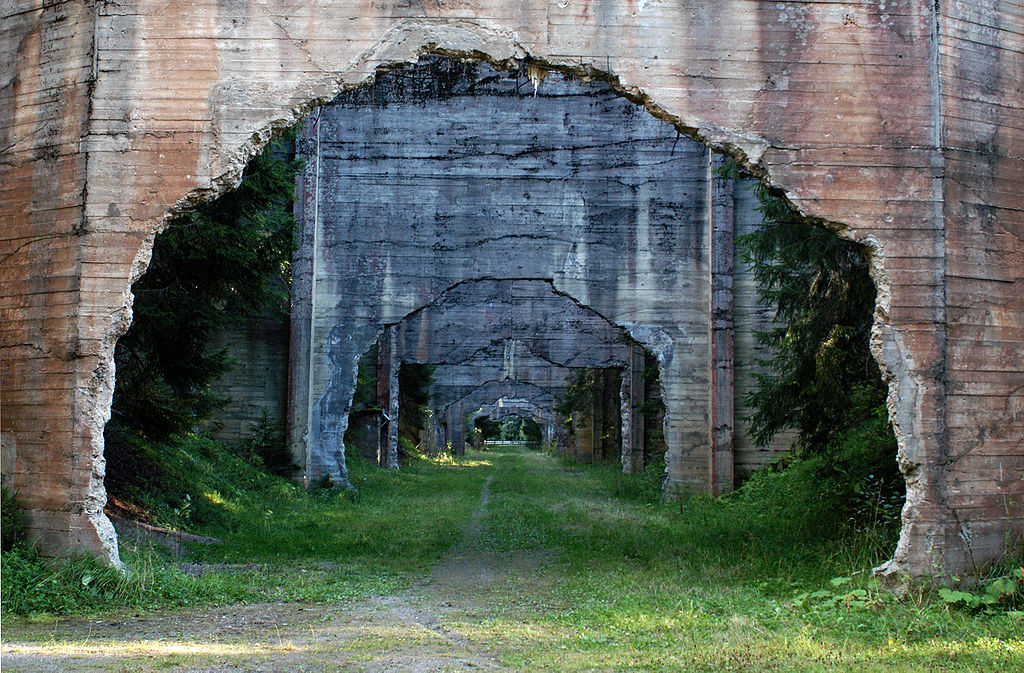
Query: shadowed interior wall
(256, 386)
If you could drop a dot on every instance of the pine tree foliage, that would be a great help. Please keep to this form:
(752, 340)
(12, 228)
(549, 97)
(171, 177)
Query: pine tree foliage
(822, 379)
(414, 382)
(222, 263)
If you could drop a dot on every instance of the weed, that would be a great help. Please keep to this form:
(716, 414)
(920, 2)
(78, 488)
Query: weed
(12, 519)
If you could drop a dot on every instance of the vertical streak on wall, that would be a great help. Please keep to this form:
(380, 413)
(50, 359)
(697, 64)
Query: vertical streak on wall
(457, 428)
(312, 298)
(722, 381)
(393, 404)
(632, 400)
(301, 382)
(387, 394)
(626, 407)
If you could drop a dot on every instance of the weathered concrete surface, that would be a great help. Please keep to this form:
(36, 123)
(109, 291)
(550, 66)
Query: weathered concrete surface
(59, 317)
(503, 330)
(498, 400)
(900, 121)
(576, 186)
(256, 386)
(541, 397)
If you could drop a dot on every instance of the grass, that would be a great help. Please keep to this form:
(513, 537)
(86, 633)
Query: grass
(281, 542)
(766, 580)
(709, 585)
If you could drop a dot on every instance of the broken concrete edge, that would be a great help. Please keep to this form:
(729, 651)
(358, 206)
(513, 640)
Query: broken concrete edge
(747, 153)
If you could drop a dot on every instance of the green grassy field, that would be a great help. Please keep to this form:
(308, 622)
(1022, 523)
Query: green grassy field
(599, 574)
(281, 542)
(706, 585)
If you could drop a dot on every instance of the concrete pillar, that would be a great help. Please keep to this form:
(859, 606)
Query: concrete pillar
(602, 424)
(631, 397)
(440, 432)
(457, 428)
(583, 429)
(432, 433)
(723, 395)
(387, 396)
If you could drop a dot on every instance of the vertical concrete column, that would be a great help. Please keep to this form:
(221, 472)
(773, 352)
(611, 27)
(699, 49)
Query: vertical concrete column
(384, 393)
(430, 433)
(392, 462)
(387, 396)
(457, 428)
(583, 428)
(300, 352)
(632, 404)
(723, 394)
(562, 438)
(439, 433)
(607, 413)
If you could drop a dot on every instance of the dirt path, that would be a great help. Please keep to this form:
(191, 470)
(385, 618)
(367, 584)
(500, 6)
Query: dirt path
(419, 629)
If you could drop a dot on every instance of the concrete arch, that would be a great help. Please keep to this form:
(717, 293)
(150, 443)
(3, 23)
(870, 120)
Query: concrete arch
(611, 208)
(522, 332)
(482, 400)
(506, 408)
(863, 116)
(479, 315)
(490, 392)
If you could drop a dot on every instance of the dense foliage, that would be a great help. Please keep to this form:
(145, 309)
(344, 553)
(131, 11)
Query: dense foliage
(217, 265)
(516, 429)
(822, 380)
(414, 381)
(12, 519)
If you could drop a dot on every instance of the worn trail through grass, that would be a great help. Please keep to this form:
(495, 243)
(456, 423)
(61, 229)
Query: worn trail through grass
(560, 568)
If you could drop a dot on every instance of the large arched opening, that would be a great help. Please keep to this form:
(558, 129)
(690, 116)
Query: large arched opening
(881, 172)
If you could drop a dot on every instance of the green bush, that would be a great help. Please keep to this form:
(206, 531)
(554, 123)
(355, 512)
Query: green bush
(13, 519)
(265, 447)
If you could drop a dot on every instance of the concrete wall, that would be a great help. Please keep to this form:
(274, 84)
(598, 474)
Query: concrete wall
(257, 381)
(520, 332)
(896, 123)
(475, 176)
(452, 172)
(749, 318)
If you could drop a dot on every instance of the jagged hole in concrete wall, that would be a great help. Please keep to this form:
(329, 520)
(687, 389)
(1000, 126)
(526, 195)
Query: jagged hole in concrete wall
(451, 171)
(445, 174)
(451, 183)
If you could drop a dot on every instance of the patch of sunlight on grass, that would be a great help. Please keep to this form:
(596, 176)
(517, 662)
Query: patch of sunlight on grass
(128, 648)
(216, 498)
(984, 646)
(451, 460)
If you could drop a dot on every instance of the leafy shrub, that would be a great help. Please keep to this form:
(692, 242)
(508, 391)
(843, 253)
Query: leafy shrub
(645, 487)
(13, 519)
(33, 584)
(856, 489)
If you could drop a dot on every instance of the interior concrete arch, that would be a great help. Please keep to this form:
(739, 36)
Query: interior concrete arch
(520, 331)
